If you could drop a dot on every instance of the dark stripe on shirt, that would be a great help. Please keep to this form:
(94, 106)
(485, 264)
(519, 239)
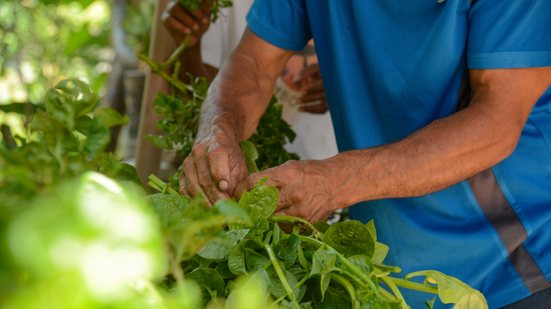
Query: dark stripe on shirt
(509, 228)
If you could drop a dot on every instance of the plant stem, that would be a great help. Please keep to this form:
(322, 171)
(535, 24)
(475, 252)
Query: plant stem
(343, 259)
(157, 184)
(176, 54)
(295, 220)
(175, 82)
(392, 286)
(348, 287)
(280, 274)
(301, 258)
(413, 285)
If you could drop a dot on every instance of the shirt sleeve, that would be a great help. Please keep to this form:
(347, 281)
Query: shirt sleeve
(509, 34)
(283, 23)
(211, 45)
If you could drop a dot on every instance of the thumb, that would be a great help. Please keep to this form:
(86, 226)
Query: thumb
(219, 166)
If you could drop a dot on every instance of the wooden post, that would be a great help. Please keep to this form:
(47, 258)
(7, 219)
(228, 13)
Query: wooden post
(148, 157)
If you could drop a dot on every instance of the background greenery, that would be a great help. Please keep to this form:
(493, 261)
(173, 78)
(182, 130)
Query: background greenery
(45, 41)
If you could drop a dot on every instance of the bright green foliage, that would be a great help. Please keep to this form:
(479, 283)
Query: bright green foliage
(272, 133)
(63, 139)
(85, 243)
(179, 118)
(43, 41)
(350, 238)
(300, 267)
(451, 290)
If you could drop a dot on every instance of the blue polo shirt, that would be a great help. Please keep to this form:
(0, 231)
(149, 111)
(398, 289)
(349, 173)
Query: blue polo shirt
(392, 67)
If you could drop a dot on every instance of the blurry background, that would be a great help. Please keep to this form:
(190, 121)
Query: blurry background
(45, 41)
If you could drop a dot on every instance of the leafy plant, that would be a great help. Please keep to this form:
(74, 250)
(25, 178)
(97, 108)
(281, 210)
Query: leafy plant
(31, 62)
(63, 139)
(179, 118)
(80, 239)
(302, 267)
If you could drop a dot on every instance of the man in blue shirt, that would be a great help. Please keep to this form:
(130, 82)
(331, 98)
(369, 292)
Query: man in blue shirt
(442, 112)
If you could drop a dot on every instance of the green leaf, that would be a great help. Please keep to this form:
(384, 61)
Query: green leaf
(249, 292)
(251, 155)
(21, 108)
(362, 262)
(322, 226)
(219, 248)
(261, 201)
(224, 271)
(380, 253)
(372, 230)
(229, 208)
(110, 117)
(209, 279)
(275, 287)
(323, 263)
(96, 133)
(287, 250)
(350, 238)
(335, 298)
(70, 99)
(255, 260)
(236, 261)
(452, 290)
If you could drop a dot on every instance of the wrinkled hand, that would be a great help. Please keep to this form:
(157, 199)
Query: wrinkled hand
(214, 167)
(305, 189)
(311, 85)
(181, 22)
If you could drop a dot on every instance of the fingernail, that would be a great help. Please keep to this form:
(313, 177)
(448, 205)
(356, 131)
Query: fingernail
(223, 185)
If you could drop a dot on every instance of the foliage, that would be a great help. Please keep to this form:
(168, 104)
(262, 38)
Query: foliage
(179, 118)
(137, 23)
(302, 267)
(79, 239)
(83, 243)
(63, 139)
(179, 121)
(32, 61)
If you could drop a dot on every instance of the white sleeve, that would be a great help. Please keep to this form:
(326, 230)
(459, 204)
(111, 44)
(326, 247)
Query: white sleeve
(211, 45)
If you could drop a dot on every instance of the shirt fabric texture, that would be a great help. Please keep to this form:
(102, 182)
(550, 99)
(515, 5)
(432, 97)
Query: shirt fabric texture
(391, 68)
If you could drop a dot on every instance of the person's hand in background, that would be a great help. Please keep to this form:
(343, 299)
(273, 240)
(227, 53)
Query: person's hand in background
(181, 22)
(313, 98)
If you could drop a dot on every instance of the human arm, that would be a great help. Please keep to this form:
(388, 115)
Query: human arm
(237, 99)
(313, 99)
(180, 23)
(443, 153)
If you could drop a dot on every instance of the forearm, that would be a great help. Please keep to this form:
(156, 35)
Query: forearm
(444, 153)
(448, 150)
(191, 65)
(242, 89)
